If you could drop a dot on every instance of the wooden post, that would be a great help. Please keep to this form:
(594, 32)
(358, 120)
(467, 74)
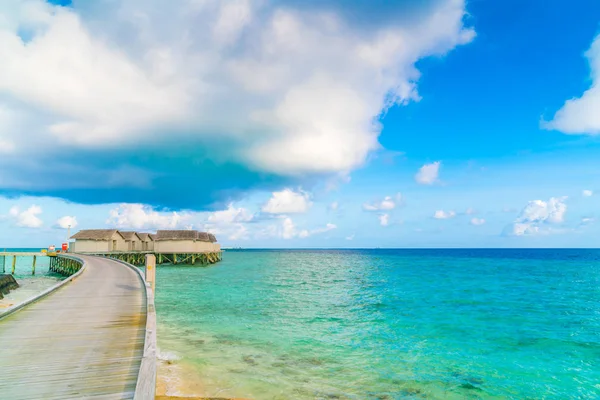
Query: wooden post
(14, 264)
(33, 266)
(151, 270)
(174, 259)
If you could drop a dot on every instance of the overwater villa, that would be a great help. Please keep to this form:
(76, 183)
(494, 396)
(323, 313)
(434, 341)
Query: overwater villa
(164, 241)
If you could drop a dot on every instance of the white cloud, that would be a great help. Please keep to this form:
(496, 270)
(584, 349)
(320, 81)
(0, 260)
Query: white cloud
(231, 215)
(587, 193)
(8, 123)
(240, 233)
(580, 115)
(326, 228)
(229, 222)
(334, 206)
(140, 216)
(388, 203)
(66, 222)
(6, 146)
(28, 218)
(538, 217)
(270, 231)
(428, 173)
(587, 220)
(351, 237)
(287, 202)
(470, 211)
(289, 230)
(384, 219)
(291, 89)
(441, 214)
(552, 211)
(477, 221)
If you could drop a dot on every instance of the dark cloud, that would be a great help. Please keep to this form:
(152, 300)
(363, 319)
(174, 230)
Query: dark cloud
(173, 177)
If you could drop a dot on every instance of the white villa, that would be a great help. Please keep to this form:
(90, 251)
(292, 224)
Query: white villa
(175, 241)
(98, 241)
(164, 241)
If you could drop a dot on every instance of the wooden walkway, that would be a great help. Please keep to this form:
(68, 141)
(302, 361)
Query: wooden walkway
(86, 340)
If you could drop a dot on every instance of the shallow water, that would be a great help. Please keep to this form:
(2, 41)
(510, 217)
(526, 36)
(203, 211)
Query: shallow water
(386, 324)
(29, 285)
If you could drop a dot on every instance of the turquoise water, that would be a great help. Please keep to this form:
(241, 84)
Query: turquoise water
(388, 324)
(24, 264)
(29, 285)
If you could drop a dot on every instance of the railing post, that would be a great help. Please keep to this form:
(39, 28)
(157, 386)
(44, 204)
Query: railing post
(33, 266)
(14, 264)
(150, 271)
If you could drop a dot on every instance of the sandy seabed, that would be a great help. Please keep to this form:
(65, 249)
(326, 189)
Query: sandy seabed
(28, 287)
(178, 380)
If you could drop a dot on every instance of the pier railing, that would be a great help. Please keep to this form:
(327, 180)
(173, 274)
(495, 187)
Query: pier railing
(8, 260)
(146, 383)
(139, 258)
(65, 265)
(50, 290)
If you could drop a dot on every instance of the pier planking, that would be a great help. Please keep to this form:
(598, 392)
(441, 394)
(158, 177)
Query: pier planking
(86, 340)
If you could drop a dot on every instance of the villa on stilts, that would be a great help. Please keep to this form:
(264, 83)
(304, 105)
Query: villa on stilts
(169, 246)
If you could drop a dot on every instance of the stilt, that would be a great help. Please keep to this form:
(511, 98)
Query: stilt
(33, 266)
(174, 259)
(14, 265)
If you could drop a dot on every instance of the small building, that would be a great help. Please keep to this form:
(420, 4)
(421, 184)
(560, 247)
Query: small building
(98, 241)
(182, 241)
(132, 241)
(147, 240)
(213, 241)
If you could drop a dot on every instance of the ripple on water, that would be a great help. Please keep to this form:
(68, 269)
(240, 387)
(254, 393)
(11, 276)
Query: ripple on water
(387, 324)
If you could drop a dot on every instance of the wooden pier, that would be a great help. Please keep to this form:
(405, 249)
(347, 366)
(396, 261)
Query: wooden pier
(93, 337)
(139, 257)
(12, 256)
(63, 265)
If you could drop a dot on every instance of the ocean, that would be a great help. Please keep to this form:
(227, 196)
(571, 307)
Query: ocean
(29, 285)
(383, 324)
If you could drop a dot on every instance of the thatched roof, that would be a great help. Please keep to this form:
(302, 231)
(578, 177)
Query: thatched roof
(95, 234)
(129, 235)
(203, 237)
(145, 237)
(152, 236)
(185, 235)
(176, 235)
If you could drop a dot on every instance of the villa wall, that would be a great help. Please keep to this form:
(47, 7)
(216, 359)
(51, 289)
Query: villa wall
(130, 245)
(175, 246)
(99, 246)
(90, 246)
(185, 246)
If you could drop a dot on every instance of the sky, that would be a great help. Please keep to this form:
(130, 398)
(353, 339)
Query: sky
(299, 124)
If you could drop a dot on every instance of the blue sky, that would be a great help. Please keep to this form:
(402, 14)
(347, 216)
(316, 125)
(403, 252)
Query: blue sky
(303, 124)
